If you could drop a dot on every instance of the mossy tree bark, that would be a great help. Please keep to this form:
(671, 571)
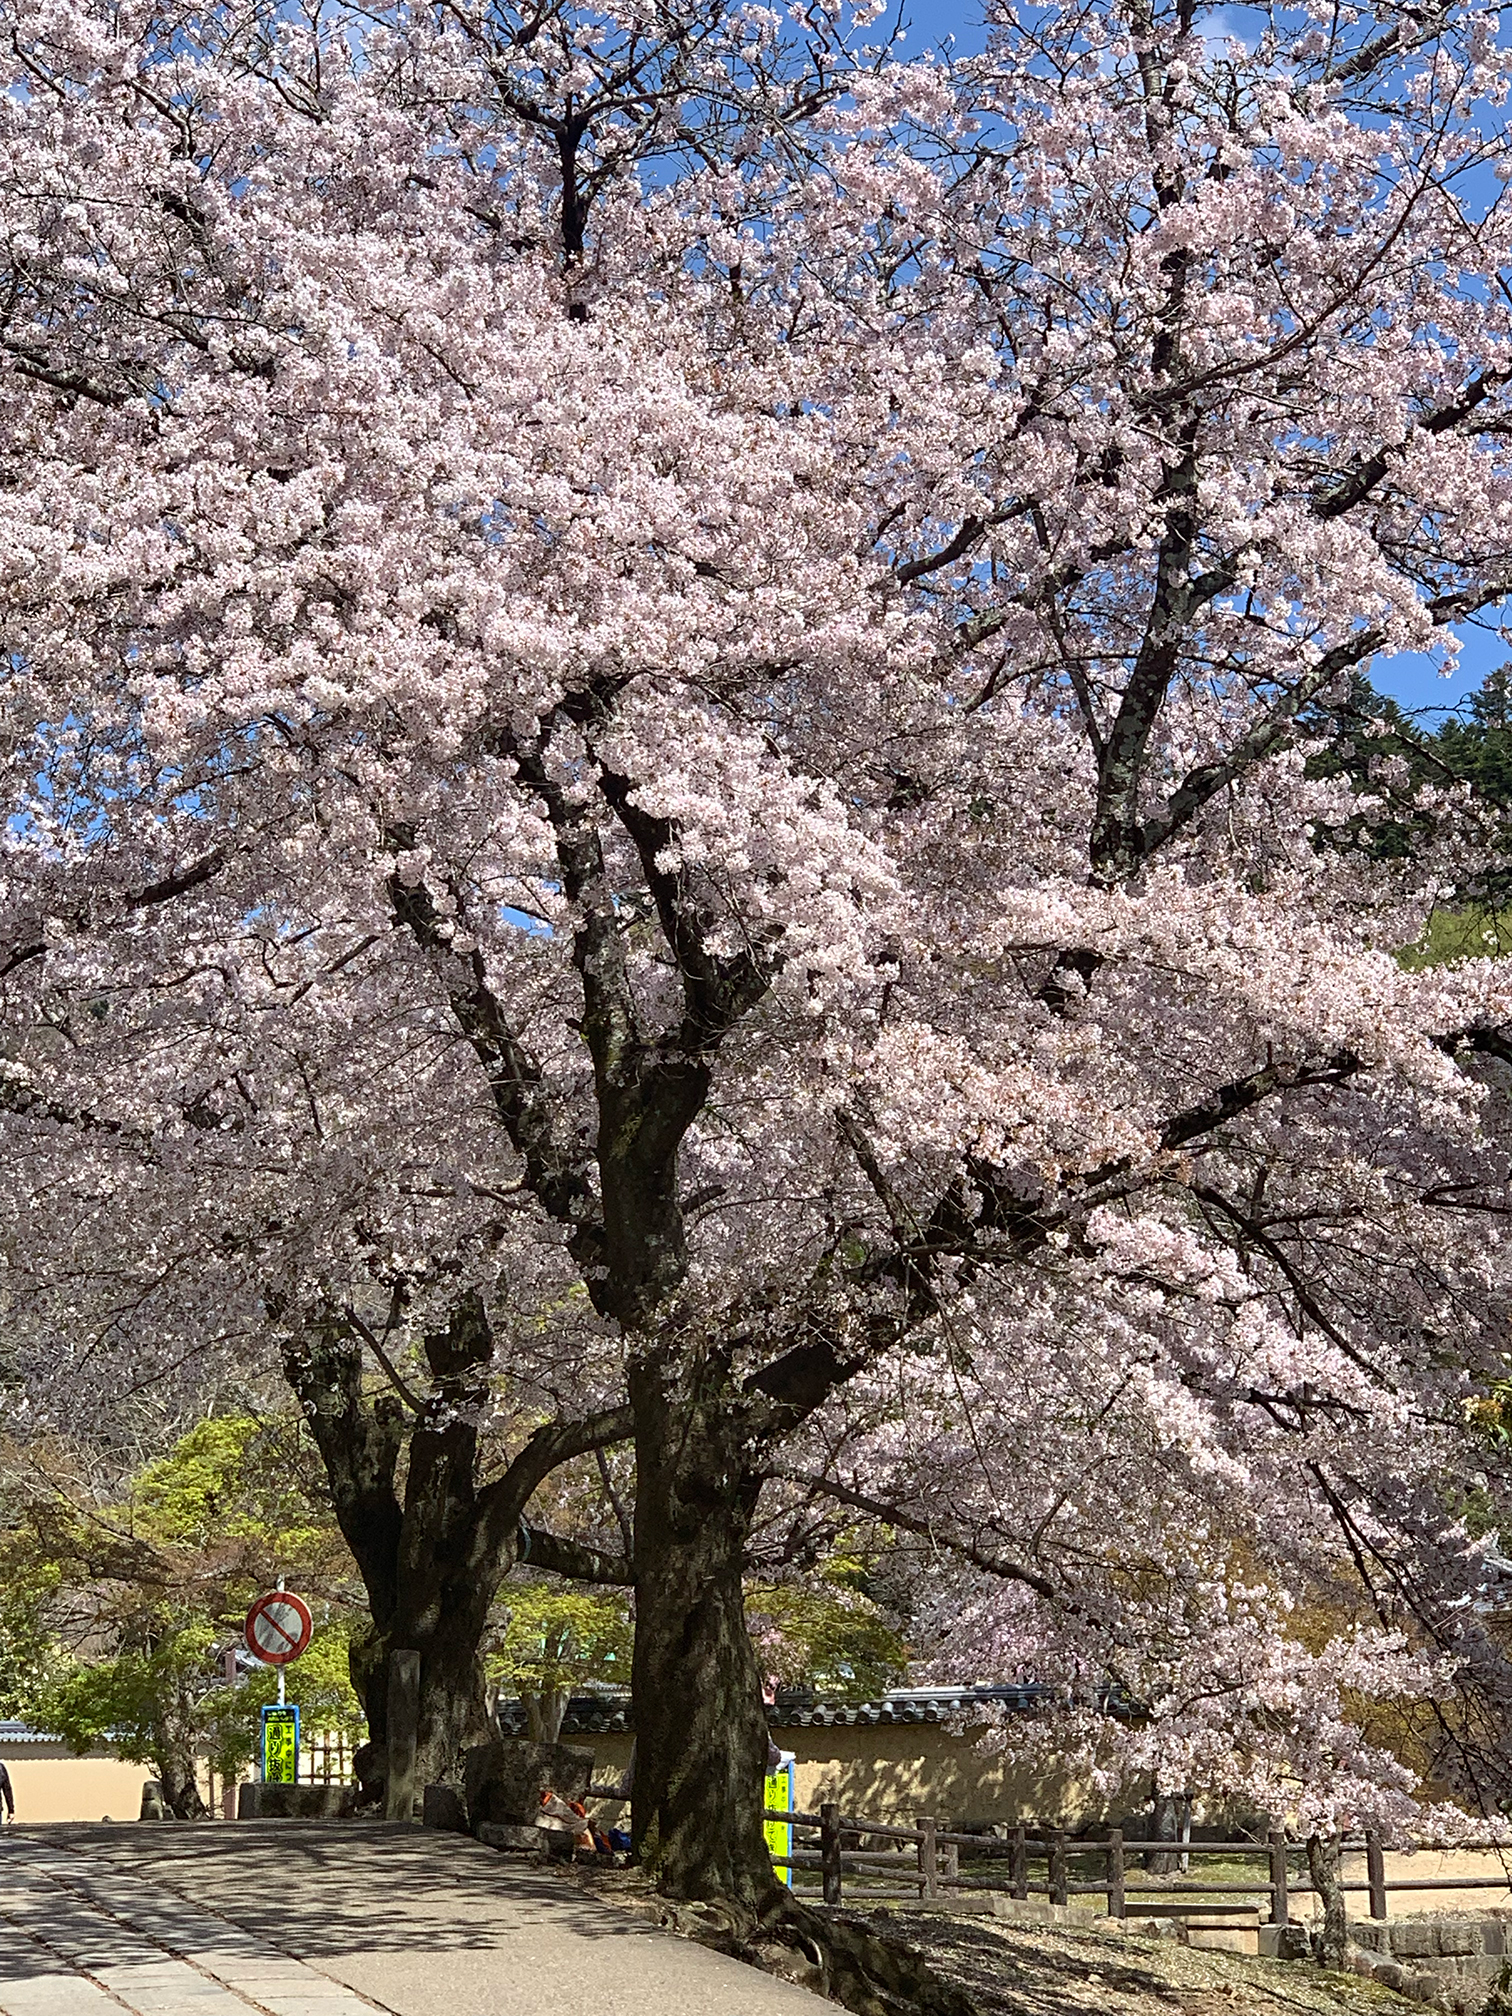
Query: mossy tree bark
(1331, 1940)
(700, 1726)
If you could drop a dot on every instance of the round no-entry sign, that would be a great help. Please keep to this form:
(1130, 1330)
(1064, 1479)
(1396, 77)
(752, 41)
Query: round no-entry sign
(279, 1627)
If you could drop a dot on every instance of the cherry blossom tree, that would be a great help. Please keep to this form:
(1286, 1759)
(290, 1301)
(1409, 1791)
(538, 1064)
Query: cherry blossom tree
(657, 676)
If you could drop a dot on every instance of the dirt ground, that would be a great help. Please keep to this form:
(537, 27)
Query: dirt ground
(1031, 1970)
(1084, 1970)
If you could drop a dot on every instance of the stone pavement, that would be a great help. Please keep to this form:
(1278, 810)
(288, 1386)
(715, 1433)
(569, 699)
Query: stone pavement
(292, 1918)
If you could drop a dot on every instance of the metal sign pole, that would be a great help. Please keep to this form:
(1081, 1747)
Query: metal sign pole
(278, 1629)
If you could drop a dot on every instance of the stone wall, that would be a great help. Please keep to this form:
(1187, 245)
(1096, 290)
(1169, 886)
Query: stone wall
(1453, 1962)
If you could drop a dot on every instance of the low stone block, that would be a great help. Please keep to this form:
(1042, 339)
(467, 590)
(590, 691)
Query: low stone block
(1224, 1938)
(1040, 1911)
(1390, 1974)
(1426, 1986)
(503, 1782)
(1414, 1939)
(1459, 1935)
(289, 1802)
(510, 1835)
(443, 1806)
(1284, 1942)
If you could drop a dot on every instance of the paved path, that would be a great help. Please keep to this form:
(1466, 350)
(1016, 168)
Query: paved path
(312, 1919)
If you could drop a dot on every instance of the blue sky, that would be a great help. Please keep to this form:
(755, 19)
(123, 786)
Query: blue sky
(1412, 679)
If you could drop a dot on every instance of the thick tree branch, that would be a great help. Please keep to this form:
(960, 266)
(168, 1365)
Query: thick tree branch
(554, 1173)
(359, 1446)
(193, 877)
(1199, 787)
(611, 1026)
(1241, 1094)
(406, 1392)
(554, 1443)
(572, 1558)
(1256, 1235)
(718, 989)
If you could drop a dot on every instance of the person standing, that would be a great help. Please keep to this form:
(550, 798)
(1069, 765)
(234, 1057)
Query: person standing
(7, 1797)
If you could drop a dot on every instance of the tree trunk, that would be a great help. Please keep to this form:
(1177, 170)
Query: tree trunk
(431, 1567)
(700, 1727)
(1332, 1938)
(430, 1571)
(174, 1759)
(1162, 1828)
(545, 1713)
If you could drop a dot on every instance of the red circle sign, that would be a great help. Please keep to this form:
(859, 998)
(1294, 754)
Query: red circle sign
(279, 1627)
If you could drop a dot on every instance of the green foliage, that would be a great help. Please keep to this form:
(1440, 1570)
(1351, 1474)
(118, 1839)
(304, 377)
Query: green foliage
(138, 1699)
(169, 1696)
(1472, 933)
(563, 1635)
(558, 1637)
(1480, 749)
(827, 1634)
(229, 1480)
(155, 1586)
(30, 1656)
(318, 1682)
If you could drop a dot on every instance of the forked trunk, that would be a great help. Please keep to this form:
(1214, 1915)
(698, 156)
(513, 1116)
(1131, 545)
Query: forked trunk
(700, 1727)
(429, 1569)
(431, 1566)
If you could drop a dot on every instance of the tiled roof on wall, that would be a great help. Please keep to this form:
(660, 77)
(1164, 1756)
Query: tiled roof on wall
(609, 1714)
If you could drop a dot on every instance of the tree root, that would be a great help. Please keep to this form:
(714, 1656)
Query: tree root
(868, 1972)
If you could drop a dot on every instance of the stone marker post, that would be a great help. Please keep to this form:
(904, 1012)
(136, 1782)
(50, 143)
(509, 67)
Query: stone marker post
(401, 1790)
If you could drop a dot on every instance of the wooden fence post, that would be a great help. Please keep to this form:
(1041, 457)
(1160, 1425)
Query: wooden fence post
(929, 1865)
(829, 1851)
(952, 1867)
(1375, 1875)
(400, 1790)
(1019, 1866)
(1115, 1873)
(1280, 1909)
(1058, 1891)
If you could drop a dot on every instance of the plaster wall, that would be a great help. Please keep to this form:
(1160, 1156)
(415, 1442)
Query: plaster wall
(899, 1772)
(50, 1784)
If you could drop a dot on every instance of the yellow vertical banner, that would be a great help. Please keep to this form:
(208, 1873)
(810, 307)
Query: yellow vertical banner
(779, 1799)
(280, 1746)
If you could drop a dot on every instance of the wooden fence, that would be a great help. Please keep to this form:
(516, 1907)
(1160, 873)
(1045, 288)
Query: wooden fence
(325, 1758)
(925, 1863)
